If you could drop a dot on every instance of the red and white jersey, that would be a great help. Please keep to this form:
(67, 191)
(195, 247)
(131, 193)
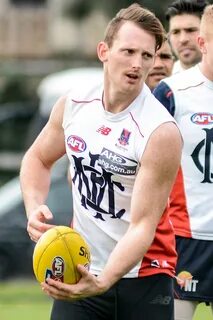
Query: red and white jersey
(105, 150)
(192, 195)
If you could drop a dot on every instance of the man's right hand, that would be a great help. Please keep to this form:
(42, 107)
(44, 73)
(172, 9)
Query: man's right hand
(37, 222)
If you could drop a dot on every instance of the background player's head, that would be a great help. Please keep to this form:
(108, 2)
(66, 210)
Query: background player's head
(205, 41)
(162, 68)
(184, 18)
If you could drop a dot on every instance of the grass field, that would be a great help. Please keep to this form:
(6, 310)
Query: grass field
(24, 300)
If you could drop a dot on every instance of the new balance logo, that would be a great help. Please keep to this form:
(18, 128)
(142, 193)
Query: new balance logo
(104, 130)
(161, 300)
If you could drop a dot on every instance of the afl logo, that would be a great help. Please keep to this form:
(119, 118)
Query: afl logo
(202, 118)
(58, 267)
(76, 144)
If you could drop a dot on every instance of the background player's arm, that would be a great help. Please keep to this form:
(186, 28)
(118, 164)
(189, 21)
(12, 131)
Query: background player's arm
(35, 170)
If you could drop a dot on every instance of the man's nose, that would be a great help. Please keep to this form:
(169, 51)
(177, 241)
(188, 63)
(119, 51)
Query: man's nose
(137, 62)
(158, 62)
(183, 37)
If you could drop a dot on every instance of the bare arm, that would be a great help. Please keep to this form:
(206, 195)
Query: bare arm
(154, 181)
(35, 170)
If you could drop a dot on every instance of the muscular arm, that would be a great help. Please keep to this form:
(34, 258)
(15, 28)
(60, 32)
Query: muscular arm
(159, 167)
(37, 163)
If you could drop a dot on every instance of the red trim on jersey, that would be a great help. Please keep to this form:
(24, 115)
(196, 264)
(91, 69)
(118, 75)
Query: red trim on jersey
(136, 125)
(169, 93)
(178, 208)
(161, 256)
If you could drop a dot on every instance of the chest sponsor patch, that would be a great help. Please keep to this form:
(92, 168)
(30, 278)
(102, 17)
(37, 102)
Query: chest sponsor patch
(116, 163)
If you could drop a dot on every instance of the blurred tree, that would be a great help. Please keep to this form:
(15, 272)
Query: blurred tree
(13, 90)
(81, 8)
(158, 7)
(78, 9)
(17, 88)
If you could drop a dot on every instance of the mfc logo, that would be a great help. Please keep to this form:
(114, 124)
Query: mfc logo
(76, 144)
(204, 148)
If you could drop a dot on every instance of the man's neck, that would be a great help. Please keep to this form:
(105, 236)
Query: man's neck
(115, 101)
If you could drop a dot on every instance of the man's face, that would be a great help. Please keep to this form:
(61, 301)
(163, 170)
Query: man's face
(206, 45)
(183, 33)
(209, 58)
(162, 67)
(130, 58)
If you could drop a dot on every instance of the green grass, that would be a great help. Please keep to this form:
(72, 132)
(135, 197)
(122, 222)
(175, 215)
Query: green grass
(24, 300)
(203, 313)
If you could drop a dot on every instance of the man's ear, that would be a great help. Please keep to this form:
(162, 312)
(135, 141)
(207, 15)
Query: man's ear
(201, 44)
(102, 51)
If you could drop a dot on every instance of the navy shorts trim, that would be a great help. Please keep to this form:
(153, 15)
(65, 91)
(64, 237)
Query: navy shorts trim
(147, 298)
(194, 271)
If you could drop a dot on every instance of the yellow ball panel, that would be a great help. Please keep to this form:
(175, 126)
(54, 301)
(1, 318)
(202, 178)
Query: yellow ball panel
(58, 252)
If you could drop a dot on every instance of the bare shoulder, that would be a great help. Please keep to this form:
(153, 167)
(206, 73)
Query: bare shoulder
(167, 134)
(164, 147)
(57, 112)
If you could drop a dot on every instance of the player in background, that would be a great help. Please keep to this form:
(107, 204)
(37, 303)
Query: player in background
(184, 17)
(162, 68)
(191, 203)
(123, 162)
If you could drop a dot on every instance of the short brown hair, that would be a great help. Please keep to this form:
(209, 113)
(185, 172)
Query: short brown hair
(144, 18)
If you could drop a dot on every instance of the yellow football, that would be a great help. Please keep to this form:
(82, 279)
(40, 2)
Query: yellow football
(58, 252)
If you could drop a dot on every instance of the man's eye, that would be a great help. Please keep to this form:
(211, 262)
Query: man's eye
(175, 32)
(130, 51)
(192, 30)
(165, 56)
(147, 55)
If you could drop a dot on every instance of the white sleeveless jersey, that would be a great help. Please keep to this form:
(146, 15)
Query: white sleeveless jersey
(177, 67)
(104, 150)
(192, 213)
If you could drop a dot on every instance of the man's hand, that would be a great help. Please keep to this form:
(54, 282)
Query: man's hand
(37, 225)
(88, 285)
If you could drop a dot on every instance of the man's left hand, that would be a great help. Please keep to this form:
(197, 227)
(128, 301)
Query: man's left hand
(88, 285)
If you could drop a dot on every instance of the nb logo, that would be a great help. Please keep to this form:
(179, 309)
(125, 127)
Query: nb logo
(161, 300)
(104, 130)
